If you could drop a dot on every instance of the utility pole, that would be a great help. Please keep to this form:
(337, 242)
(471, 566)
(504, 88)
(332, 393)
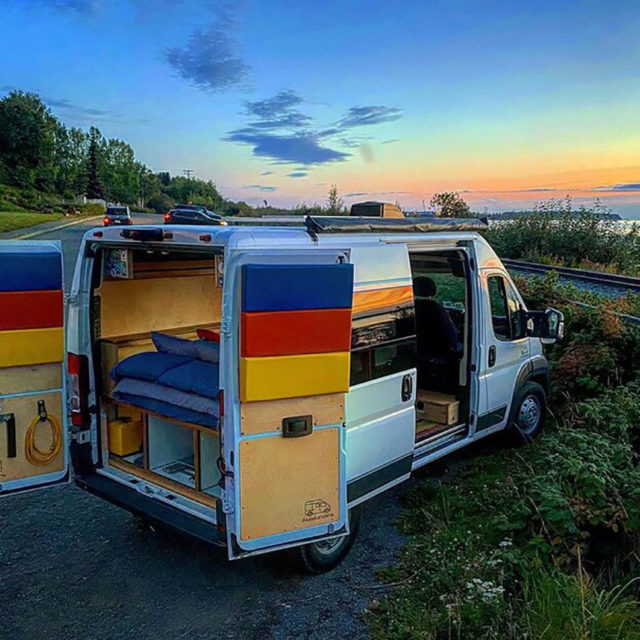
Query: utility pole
(188, 173)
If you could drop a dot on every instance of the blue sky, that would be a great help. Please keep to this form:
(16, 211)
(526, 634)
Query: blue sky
(280, 99)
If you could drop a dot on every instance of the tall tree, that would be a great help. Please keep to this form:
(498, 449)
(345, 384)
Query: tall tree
(28, 138)
(449, 204)
(335, 205)
(95, 188)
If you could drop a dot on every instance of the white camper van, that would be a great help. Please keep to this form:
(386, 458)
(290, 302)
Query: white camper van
(254, 385)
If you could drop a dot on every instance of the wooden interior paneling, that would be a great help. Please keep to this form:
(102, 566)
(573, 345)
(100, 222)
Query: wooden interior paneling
(130, 307)
(31, 378)
(263, 417)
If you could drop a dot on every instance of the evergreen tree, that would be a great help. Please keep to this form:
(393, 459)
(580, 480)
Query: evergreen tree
(95, 189)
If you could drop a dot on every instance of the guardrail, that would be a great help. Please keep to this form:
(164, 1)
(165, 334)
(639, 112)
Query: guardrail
(626, 283)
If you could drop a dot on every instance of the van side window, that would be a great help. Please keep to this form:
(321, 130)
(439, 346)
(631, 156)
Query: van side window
(505, 307)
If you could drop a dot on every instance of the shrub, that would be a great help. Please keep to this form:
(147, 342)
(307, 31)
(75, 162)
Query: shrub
(92, 209)
(557, 233)
(501, 547)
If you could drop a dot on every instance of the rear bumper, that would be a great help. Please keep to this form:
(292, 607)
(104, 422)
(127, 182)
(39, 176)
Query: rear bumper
(155, 511)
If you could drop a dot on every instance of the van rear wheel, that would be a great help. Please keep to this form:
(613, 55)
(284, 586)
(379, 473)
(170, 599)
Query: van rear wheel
(324, 555)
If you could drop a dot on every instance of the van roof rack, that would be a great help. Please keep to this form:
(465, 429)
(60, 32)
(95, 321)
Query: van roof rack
(354, 224)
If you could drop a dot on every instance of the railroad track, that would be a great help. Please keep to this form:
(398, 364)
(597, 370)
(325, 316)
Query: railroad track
(597, 278)
(609, 280)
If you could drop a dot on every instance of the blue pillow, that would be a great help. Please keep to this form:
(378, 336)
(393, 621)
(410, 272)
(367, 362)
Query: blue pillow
(171, 344)
(194, 376)
(208, 351)
(148, 365)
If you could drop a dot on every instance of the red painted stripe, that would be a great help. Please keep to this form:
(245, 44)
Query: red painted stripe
(30, 309)
(285, 333)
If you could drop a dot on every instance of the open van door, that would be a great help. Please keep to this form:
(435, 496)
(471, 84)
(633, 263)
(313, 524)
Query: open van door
(286, 466)
(33, 421)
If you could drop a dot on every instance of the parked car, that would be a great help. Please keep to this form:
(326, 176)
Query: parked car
(117, 215)
(193, 215)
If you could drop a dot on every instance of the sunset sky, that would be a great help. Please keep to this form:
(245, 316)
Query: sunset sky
(507, 102)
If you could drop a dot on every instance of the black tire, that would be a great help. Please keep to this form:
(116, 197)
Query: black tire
(319, 557)
(527, 412)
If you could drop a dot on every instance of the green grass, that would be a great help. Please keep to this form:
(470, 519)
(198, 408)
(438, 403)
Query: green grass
(11, 220)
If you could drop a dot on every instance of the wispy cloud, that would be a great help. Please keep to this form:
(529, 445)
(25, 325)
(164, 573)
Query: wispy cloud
(355, 194)
(296, 148)
(259, 187)
(392, 141)
(266, 173)
(278, 129)
(374, 114)
(297, 174)
(210, 59)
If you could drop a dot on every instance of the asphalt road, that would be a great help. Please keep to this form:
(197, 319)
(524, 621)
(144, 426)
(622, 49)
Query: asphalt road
(73, 566)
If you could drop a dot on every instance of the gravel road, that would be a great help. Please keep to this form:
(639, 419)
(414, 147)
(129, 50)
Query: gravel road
(73, 566)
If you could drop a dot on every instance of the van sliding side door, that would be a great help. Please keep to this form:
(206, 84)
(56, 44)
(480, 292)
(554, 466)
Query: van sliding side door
(33, 415)
(289, 332)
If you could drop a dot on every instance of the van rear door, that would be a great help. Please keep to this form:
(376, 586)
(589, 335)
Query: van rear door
(286, 466)
(33, 420)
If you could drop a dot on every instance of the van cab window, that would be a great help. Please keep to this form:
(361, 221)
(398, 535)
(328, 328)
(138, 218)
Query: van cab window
(505, 308)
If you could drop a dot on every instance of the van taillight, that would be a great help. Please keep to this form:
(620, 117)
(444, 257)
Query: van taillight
(78, 369)
(221, 403)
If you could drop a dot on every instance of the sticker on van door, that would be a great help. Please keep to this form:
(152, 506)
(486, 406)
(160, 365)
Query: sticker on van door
(317, 510)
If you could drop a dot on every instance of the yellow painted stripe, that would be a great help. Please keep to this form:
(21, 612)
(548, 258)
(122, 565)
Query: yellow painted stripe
(31, 346)
(293, 376)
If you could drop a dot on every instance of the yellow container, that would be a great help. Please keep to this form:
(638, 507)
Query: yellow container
(125, 437)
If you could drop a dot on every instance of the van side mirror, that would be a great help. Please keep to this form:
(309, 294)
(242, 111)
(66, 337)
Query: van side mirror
(548, 325)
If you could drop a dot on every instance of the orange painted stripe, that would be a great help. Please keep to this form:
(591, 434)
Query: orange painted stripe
(381, 298)
(30, 309)
(286, 333)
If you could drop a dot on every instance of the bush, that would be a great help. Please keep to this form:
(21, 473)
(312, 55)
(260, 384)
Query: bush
(160, 203)
(556, 233)
(92, 209)
(535, 543)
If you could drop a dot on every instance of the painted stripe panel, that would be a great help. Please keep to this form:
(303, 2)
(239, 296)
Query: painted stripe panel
(31, 346)
(277, 377)
(381, 299)
(280, 333)
(30, 309)
(295, 287)
(30, 271)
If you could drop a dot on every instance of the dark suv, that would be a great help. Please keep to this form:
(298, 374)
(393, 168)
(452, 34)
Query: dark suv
(117, 215)
(192, 214)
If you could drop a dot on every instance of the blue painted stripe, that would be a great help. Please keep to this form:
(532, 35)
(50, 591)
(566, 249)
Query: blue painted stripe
(30, 271)
(296, 287)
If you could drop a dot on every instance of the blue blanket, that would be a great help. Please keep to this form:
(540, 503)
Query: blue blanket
(176, 386)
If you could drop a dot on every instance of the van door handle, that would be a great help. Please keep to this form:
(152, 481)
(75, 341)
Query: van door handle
(492, 355)
(407, 387)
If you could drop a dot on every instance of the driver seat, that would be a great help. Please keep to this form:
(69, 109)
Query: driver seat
(437, 340)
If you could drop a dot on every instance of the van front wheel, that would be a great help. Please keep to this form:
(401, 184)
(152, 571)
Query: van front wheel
(324, 555)
(527, 412)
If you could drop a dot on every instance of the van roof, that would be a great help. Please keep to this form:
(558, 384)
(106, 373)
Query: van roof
(254, 233)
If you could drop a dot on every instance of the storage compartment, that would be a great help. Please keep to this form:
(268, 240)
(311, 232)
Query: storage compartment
(137, 292)
(439, 408)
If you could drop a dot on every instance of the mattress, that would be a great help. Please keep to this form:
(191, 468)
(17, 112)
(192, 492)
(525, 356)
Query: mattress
(172, 385)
